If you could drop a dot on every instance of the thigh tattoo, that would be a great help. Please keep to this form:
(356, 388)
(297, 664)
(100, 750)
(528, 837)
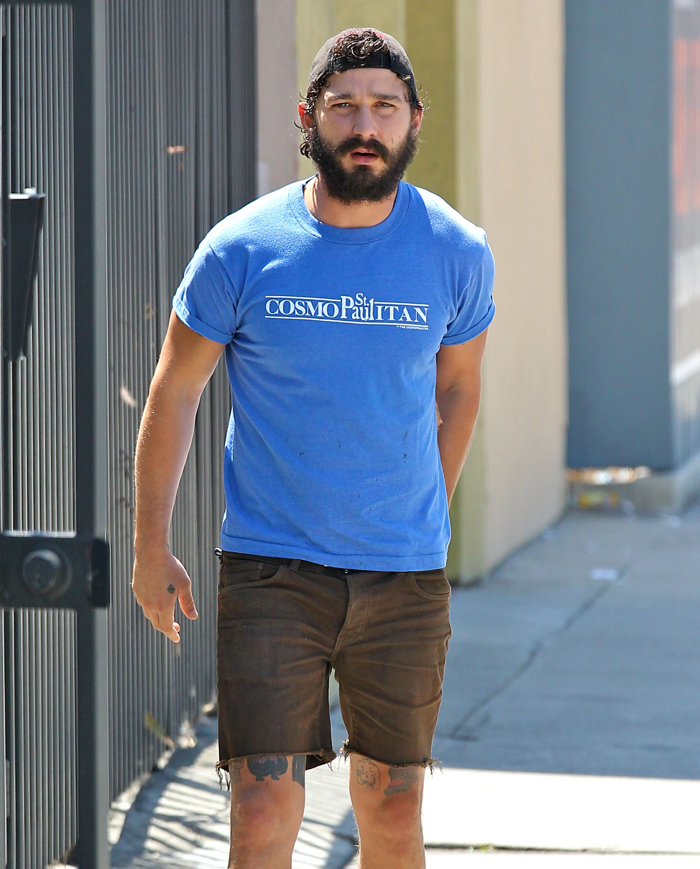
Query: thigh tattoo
(234, 769)
(367, 773)
(402, 779)
(272, 765)
(299, 769)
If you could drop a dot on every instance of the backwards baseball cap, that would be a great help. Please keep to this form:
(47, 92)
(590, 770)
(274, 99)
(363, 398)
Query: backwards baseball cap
(329, 59)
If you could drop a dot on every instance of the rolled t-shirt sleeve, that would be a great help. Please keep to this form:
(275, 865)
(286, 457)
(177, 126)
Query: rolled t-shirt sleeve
(206, 299)
(475, 307)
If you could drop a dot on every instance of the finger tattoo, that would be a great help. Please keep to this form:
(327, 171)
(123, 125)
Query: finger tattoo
(171, 588)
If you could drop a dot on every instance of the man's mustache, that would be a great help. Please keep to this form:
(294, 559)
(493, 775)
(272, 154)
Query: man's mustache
(357, 142)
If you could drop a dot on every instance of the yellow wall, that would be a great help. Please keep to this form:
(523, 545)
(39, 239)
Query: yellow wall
(511, 181)
(492, 146)
(430, 43)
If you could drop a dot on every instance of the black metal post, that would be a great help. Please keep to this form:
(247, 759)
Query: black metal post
(92, 851)
(6, 474)
(89, 83)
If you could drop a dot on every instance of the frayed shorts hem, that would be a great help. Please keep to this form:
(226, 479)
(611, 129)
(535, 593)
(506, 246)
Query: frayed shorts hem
(432, 763)
(317, 757)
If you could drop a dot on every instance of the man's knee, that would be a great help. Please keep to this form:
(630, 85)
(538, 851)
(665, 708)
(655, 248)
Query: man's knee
(259, 810)
(388, 800)
(399, 814)
(266, 804)
(263, 818)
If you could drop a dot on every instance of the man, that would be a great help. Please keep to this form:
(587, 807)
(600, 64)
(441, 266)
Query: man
(347, 305)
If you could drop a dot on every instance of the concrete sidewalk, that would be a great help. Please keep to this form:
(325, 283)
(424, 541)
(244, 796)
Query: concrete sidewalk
(569, 731)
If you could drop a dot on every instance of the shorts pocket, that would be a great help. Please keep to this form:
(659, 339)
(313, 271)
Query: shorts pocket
(431, 584)
(237, 571)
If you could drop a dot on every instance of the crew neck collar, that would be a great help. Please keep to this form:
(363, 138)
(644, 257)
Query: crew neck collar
(345, 235)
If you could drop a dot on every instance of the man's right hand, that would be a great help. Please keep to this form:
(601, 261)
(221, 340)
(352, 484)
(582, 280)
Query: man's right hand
(159, 580)
(186, 363)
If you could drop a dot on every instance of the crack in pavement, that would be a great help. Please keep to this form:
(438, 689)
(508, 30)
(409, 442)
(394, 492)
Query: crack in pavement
(534, 653)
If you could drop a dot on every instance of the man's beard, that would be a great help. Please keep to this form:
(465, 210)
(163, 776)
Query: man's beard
(361, 184)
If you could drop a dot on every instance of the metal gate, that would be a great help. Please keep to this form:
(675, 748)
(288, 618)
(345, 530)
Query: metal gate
(135, 119)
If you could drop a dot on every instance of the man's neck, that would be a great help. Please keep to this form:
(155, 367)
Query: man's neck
(342, 214)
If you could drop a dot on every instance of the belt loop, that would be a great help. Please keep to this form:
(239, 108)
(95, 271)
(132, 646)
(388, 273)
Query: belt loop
(294, 565)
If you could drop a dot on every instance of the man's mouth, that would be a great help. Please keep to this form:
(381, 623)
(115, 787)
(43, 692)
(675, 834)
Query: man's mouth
(362, 155)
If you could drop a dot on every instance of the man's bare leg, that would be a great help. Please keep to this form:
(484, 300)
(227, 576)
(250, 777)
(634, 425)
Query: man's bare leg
(387, 802)
(267, 805)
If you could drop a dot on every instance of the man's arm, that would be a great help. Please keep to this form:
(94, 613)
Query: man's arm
(458, 391)
(186, 363)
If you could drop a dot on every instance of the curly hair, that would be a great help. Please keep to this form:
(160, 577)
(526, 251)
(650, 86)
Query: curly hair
(356, 46)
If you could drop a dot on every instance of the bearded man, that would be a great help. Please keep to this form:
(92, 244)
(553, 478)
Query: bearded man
(347, 305)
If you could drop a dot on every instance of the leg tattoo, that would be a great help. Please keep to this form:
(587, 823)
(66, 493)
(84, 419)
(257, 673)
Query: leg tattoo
(367, 773)
(273, 765)
(234, 769)
(299, 769)
(402, 779)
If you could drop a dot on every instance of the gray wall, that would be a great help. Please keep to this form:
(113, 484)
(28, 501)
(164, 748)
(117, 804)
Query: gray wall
(618, 232)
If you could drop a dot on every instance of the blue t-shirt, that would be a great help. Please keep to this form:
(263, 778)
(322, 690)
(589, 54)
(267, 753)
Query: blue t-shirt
(331, 334)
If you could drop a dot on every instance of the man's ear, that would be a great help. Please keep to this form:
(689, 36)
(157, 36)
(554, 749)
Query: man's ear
(305, 119)
(416, 120)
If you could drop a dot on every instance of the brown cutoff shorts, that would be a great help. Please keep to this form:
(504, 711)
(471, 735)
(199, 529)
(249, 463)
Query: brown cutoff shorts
(283, 624)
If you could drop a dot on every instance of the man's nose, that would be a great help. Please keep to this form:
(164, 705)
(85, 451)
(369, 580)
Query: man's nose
(364, 123)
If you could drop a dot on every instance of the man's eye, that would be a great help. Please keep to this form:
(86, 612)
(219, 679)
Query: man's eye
(340, 105)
